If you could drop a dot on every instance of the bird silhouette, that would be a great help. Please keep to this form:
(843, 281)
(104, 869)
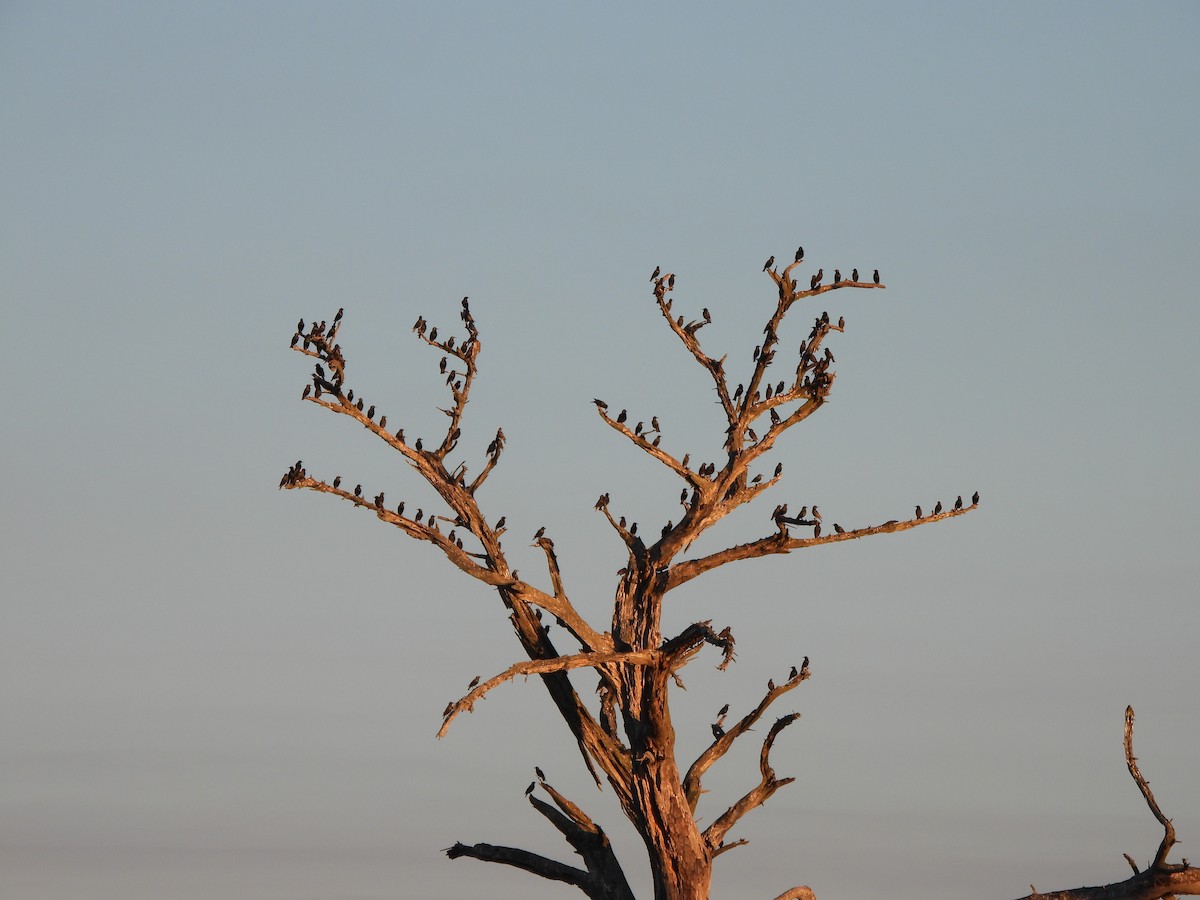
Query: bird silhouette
(876, 276)
(770, 262)
(799, 254)
(975, 499)
(918, 512)
(854, 275)
(657, 271)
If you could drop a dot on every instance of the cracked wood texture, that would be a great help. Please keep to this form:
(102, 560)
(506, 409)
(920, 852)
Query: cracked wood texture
(626, 737)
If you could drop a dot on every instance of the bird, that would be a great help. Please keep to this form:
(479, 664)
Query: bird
(958, 502)
(918, 512)
(770, 684)
(300, 326)
(621, 417)
(876, 276)
(799, 254)
(383, 421)
(656, 273)
(718, 731)
(812, 283)
(600, 404)
(671, 281)
(358, 490)
(379, 500)
(306, 392)
(723, 711)
(793, 673)
(838, 528)
(540, 533)
(975, 499)
(815, 513)
(500, 522)
(854, 275)
(706, 314)
(400, 508)
(529, 790)
(817, 530)
(337, 481)
(837, 276)
(418, 444)
(540, 774)
(602, 502)
(474, 682)
(686, 457)
(433, 335)
(338, 317)
(371, 412)
(820, 275)
(449, 709)
(654, 423)
(770, 262)
(778, 469)
(938, 508)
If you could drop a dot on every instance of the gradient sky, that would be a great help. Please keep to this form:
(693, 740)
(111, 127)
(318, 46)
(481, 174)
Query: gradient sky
(209, 688)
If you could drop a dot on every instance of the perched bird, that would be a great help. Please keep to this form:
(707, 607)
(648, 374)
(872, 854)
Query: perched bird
(671, 281)
(812, 283)
(500, 522)
(601, 404)
(723, 711)
(474, 682)
(379, 500)
(838, 528)
(654, 423)
(337, 481)
(958, 502)
(816, 513)
(602, 502)
(718, 731)
(770, 684)
(938, 508)
(800, 254)
(358, 490)
(837, 276)
(418, 444)
(770, 262)
(854, 275)
(876, 276)
(383, 421)
(433, 335)
(820, 275)
(449, 709)
(706, 314)
(540, 533)
(371, 412)
(975, 499)
(778, 469)
(621, 417)
(817, 530)
(793, 673)
(540, 774)
(529, 790)
(400, 508)
(359, 405)
(686, 457)
(842, 322)
(307, 390)
(918, 512)
(656, 273)
(338, 317)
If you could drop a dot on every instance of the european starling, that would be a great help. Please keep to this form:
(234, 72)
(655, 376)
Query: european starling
(817, 530)
(540, 533)
(723, 711)
(793, 673)
(671, 281)
(654, 423)
(371, 412)
(718, 731)
(383, 421)
(601, 404)
(621, 417)
(307, 391)
(338, 317)
(975, 499)
(958, 502)
(540, 774)
(799, 254)
(837, 276)
(854, 275)
(938, 508)
(500, 522)
(770, 262)
(876, 276)
(918, 512)
(838, 528)
(706, 314)
(529, 790)
(656, 273)
(474, 682)
(337, 482)
(358, 490)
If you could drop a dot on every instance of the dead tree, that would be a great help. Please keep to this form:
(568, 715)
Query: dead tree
(626, 738)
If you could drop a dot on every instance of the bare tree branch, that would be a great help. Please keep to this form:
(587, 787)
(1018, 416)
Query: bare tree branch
(1161, 879)
(715, 833)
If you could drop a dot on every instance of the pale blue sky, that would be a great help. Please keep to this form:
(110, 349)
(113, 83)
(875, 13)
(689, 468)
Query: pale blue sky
(212, 689)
